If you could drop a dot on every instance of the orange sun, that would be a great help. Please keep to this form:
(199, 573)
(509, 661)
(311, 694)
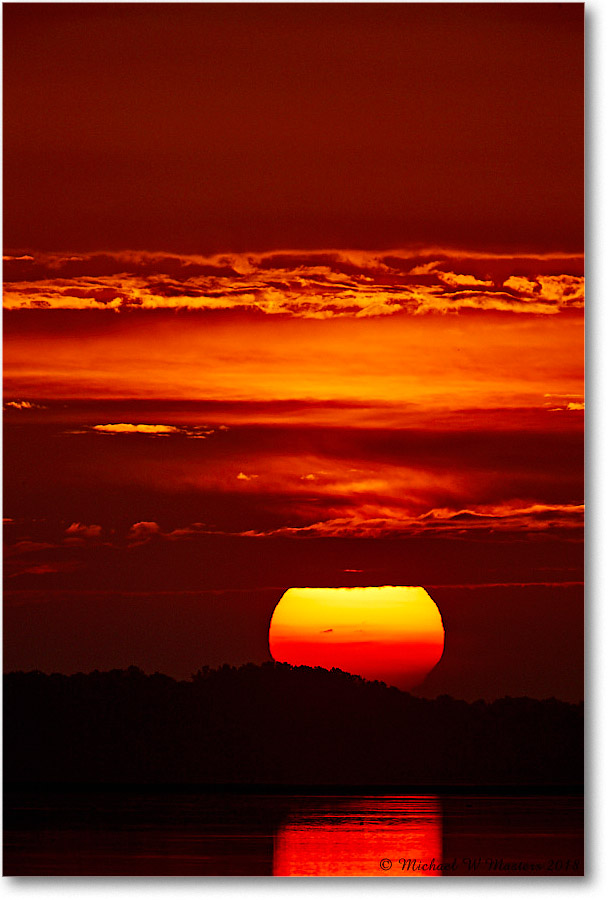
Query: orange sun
(393, 634)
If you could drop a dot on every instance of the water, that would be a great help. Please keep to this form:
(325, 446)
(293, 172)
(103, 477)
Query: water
(292, 835)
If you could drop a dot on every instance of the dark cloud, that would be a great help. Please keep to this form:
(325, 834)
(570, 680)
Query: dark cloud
(97, 265)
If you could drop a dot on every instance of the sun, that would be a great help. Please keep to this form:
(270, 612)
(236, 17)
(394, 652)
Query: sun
(392, 634)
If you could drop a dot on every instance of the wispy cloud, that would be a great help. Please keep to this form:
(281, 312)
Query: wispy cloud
(368, 521)
(374, 521)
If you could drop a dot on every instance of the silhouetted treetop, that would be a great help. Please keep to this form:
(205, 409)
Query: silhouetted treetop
(277, 724)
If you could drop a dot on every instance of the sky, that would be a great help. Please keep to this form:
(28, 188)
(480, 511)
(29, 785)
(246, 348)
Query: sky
(293, 298)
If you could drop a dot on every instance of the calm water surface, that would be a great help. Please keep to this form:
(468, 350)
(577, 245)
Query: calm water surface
(292, 835)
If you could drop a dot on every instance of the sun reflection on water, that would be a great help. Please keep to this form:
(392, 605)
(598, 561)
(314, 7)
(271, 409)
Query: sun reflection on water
(336, 836)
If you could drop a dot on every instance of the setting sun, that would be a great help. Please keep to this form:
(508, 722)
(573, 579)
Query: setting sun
(392, 634)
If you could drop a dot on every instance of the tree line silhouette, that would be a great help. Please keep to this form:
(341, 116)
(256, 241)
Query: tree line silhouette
(275, 724)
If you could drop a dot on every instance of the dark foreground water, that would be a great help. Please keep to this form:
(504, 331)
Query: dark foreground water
(100, 833)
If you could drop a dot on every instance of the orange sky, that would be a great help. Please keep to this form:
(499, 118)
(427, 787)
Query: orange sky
(442, 364)
(364, 327)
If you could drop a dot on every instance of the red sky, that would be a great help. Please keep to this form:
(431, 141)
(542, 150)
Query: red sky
(293, 296)
(208, 128)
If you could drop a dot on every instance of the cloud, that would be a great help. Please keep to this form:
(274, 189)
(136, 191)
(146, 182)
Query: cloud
(514, 522)
(565, 290)
(374, 520)
(141, 532)
(315, 284)
(369, 521)
(52, 568)
(125, 428)
(196, 431)
(22, 404)
(521, 285)
(77, 533)
(507, 520)
(572, 406)
(27, 546)
(455, 280)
